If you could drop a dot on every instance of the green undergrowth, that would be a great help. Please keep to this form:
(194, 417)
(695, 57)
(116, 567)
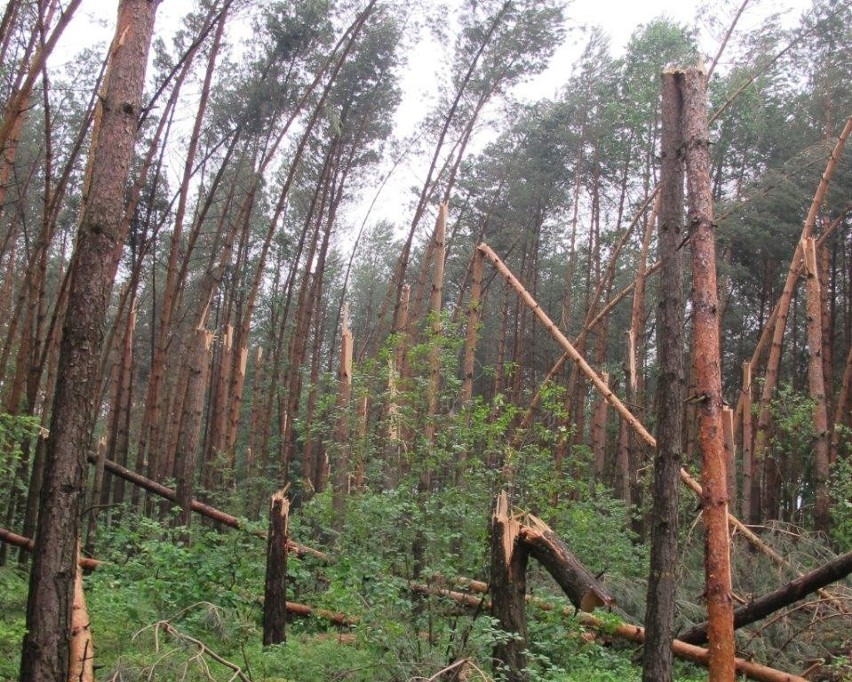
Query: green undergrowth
(161, 606)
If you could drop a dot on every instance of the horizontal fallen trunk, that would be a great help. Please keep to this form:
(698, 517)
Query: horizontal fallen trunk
(27, 544)
(339, 619)
(633, 633)
(199, 507)
(784, 596)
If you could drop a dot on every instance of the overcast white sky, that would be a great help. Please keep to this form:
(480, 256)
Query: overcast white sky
(619, 18)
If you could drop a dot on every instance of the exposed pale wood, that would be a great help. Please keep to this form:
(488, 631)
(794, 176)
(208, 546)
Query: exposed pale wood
(730, 455)
(508, 591)
(82, 646)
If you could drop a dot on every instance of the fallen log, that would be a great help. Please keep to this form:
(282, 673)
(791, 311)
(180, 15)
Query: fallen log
(197, 506)
(27, 544)
(339, 619)
(793, 591)
(633, 633)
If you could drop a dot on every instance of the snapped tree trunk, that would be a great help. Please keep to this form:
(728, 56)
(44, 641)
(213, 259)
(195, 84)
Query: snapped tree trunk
(82, 649)
(275, 592)
(46, 655)
(508, 591)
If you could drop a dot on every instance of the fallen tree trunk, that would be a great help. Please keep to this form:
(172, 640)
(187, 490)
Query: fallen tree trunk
(27, 544)
(570, 574)
(339, 619)
(777, 599)
(633, 633)
(199, 507)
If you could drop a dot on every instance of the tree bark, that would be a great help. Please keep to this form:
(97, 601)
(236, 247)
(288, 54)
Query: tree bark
(576, 581)
(275, 592)
(707, 364)
(342, 435)
(659, 612)
(46, 656)
(190, 423)
(508, 591)
(748, 463)
(816, 382)
(474, 314)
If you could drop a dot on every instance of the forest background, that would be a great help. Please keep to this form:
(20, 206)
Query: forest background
(265, 134)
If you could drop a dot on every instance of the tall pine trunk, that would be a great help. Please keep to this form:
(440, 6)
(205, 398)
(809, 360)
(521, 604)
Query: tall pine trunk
(708, 378)
(45, 656)
(659, 613)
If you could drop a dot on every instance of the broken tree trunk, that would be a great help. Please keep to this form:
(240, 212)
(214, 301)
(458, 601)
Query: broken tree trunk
(708, 379)
(834, 570)
(779, 316)
(198, 507)
(546, 547)
(275, 592)
(630, 418)
(508, 591)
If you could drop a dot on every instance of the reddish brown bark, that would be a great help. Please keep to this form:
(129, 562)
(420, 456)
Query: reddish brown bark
(190, 423)
(342, 437)
(708, 381)
(508, 591)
